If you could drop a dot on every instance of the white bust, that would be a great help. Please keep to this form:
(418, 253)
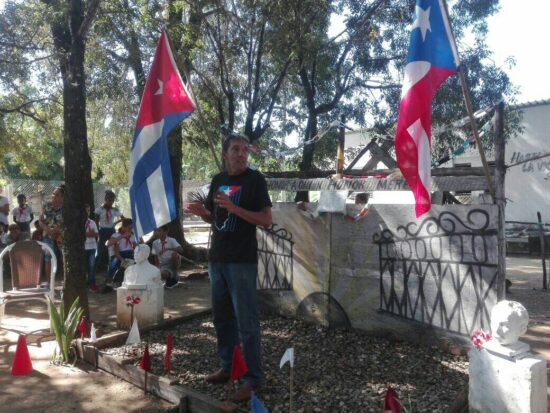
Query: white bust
(509, 321)
(142, 272)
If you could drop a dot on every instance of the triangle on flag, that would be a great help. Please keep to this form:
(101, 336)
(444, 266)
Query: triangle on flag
(287, 357)
(145, 361)
(238, 365)
(82, 327)
(93, 334)
(168, 353)
(256, 406)
(391, 401)
(133, 336)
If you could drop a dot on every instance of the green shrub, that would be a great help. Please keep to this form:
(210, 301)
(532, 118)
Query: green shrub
(64, 328)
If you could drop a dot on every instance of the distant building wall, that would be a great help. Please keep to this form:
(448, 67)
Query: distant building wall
(526, 189)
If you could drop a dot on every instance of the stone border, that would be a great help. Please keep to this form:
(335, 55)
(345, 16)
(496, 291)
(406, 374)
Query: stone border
(188, 400)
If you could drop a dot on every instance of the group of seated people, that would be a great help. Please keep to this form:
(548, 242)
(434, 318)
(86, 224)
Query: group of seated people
(102, 241)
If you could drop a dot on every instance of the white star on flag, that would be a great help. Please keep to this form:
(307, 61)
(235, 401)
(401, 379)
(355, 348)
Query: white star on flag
(161, 84)
(422, 20)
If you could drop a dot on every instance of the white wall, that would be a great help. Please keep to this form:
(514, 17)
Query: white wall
(526, 189)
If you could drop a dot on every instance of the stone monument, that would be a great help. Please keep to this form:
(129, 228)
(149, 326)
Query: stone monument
(141, 295)
(504, 376)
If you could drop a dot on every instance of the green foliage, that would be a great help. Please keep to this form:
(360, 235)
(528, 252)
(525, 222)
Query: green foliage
(64, 328)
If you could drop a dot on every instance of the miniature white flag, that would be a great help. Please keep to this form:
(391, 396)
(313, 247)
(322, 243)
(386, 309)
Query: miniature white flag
(288, 356)
(133, 336)
(546, 174)
(93, 334)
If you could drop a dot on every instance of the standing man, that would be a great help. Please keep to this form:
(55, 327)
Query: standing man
(237, 202)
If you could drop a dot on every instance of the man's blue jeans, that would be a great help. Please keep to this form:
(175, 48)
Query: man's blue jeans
(236, 315)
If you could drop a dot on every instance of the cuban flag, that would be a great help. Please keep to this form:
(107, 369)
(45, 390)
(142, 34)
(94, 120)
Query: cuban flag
(165, 103)
(432, 57)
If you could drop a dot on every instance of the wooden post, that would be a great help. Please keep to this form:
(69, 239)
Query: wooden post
(542, 250)
(468, 104)
(500, 198)
(340, 147)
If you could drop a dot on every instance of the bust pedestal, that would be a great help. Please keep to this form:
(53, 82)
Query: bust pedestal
(148, 312)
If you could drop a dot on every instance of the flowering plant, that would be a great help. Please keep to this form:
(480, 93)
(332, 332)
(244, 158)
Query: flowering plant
(131, 300)
(480, 337)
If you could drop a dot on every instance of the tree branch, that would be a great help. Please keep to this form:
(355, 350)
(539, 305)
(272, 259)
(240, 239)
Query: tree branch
(89, 18)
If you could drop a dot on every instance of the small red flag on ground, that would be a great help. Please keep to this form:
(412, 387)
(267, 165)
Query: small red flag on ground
(145, 361)
(22, 363)
(168, 353)
(82, 327)
(391, 401)
(238, 366)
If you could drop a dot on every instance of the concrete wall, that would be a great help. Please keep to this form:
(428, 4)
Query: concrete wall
(336, 276)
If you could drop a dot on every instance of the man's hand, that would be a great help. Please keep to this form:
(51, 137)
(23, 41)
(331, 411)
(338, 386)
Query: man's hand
(224, 201)
(196, 208)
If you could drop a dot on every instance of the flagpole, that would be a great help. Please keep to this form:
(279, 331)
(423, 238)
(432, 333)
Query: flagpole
(291, 386)
(468, 103)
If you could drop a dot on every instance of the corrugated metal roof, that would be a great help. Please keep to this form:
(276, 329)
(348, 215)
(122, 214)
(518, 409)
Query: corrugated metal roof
(531, 104)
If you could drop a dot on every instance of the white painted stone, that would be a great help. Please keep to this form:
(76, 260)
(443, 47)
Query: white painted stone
(141, 280)
(142, 272)
(509, 320)
(501, 384)
(149, 311)
(504, 376)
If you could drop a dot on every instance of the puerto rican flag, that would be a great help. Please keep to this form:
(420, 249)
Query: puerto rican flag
(165, 103)
(432, 57)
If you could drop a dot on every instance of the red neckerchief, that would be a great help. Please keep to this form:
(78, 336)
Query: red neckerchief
(163, 246)
(88, 225)
(107, 214)
(127, 239)
(22, 210)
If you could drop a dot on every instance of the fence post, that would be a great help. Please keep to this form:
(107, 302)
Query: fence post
(542, 251)
(500, 199)
(340, 147)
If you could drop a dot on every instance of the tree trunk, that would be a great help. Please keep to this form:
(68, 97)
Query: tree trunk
(70, 47)
(307, 155)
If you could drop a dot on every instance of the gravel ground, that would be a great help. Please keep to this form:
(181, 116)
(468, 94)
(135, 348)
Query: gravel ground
(335, 370)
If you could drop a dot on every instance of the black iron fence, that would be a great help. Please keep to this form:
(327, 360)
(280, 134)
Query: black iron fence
(275, 259)
(441, 272)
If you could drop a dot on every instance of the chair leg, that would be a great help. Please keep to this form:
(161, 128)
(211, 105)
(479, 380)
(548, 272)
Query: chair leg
(2, 310)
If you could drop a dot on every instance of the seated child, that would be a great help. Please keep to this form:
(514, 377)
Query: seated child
(166, 251)
(123, 247)
(38, 233)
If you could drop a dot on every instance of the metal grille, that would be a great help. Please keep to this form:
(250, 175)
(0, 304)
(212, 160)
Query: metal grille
(442, 272)
(275, 259)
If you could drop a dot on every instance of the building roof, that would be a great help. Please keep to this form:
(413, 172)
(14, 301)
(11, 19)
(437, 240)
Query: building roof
(531, 104)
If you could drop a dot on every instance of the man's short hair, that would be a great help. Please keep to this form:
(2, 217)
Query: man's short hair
(13, 227)
(21, 196)
(164, 227)
(233, 137)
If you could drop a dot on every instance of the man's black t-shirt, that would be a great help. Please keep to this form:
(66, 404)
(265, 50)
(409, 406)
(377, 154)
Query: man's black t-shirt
(234, 239)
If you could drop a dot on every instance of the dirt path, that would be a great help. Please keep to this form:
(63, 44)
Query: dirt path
(66, 389)
(56, 389)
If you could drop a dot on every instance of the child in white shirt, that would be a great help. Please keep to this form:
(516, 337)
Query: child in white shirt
(166, 251)
(90, 245)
